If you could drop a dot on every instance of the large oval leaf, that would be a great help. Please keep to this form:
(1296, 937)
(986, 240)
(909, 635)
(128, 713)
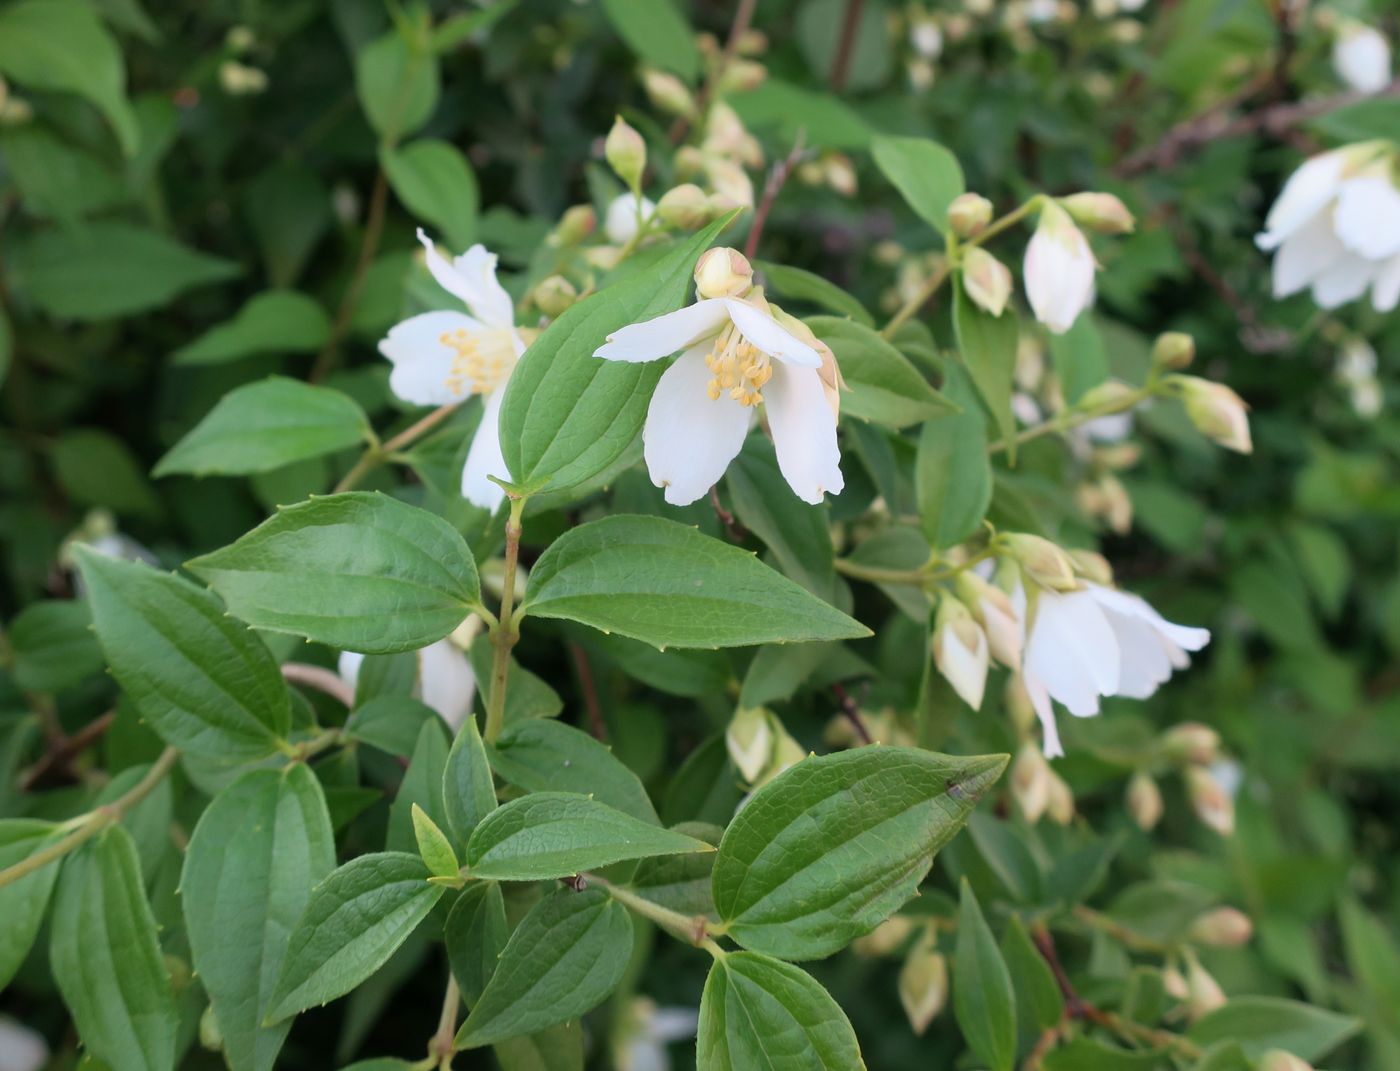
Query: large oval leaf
(542, 755)
(983, 999)
(882, 385)
(925, 173)
(22, 902)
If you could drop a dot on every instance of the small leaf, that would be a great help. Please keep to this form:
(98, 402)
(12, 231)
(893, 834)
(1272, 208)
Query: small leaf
(421, 786)
(883, 385)
(658, 33)
(390, 722)
(53, 645)
(542, 755)
(925, 173)
(275, 321)
(797, 284)
(265, 425)
(22, 902)
(952, 471)
(558, 834)
(435, 183)
(396, 76)
(97, 469)
(358, 571)
(204, 682)
(475, 932)
(468, 792)
(670, 586)
(760, 1014)
(433, 844)
(1263, 1023)
(563, 959)
(988, 346)
(1038, 996)
(353, 923)
(983, 999)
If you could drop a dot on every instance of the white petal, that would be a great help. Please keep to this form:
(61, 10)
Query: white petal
(965, 668)
(446, 681)
(1059, 279)
(765, 333)
(485, 458)
(1367, 217)
(1307, 192)
(1361, 58)
(653, 339)
(1130, 605)
(422, 373)
(349, 667)
(1040, 703)
(1072, 650)
(1306, 254)
(1385, 291)
(472, 278)
(690, 439)
(1344, 281)
(804, 432)
(620, 220)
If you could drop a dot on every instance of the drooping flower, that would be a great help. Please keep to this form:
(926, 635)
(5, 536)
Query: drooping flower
(446, 681)
(960, 651)
(1361, 57)
(1335, 228)
(735, 354)
(1059, 270)
(445, 357)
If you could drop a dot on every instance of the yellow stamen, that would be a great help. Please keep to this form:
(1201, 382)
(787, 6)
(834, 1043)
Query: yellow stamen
(740, 368)
(481, 360)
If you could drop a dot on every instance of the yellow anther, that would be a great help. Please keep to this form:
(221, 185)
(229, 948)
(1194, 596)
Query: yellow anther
(739, 367)
(480, 360)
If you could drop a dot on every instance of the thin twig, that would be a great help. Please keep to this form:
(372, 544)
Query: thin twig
(320, 678)
(374, 228)
(65, 750)
(845, 45)
(851, 709)
(731, 526)
(776, 178)
(743, 16)
(586, 685)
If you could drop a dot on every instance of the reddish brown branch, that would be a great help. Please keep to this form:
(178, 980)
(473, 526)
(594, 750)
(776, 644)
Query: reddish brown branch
(321, 679)
(845, 45)
(63, 750)
(586, 685)
(776, 180)
(851, 709)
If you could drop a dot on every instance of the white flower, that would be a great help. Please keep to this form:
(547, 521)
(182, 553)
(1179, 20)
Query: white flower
(735, 354)
(960, 651)
(1361, 57)
(1059, 270)
(1336, 228)
(21, 1049)
(445, 357)
(445, 679)
(620, 223)
(645, 1032)
(1093, 642)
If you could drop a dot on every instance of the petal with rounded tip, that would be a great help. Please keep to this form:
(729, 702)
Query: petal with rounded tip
(471, 278)
(690, 439)
(485, 458)
(804, 432)
(422, 362)
(1308, 253)
(1344, 281)
(662, 336)
(1367, 217)
(1306, 193)
(769, 336)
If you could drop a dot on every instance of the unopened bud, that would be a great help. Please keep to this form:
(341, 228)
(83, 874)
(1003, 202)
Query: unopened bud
(239, 39)
(923, 986)
(960, 651)
(1018, 705)
(685, 207)
(1092, 565)
(602, 257)
(240, 80)
(994, 612)
(1030, 782)
(576, 224)
(1060, 805)
(749, 740)
(1174, 984)
(1101, 212)
(668, 93)
(753, 43)
(1204, 994)
(625, 216)
(1191, 742)
(1211, 802)
(626, 153)
(1040, 560)
(787, 753)
(1224, 927)
(554, 294)
(689, 161)
(15, 111)
(723, 272)
(211, 1036)
(1174, 350)
(986, 280)
(886, 938)
(1217, 411)
(741, 76)
(1110, 396)
(841, 174)
(969, 214)
(1144, 800)
(1279, 1060)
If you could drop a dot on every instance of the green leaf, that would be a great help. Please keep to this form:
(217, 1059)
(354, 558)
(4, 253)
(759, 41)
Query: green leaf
(97, 469)
(53, 645)
(258, 850)
(798, 284)
(421, 787)
(568, 415)
(358, 571)
(1371, 953)
(988, 346)
(1160, 911)
(475, 933)
(289, 208)
(558, 834)
(760, 1014)
(107, 960)
(390, 722)
(983, 999)
(275, 321)
(670, 586)
(433, 844)
(834, 845)
(468, 792)
(353, 923)
(1263, 1023)
(1366, 119)
(22, 902)
(62, 45)
(926, 175)
(265, 425)
(681, 882)
(1081, 361)
(457, 29)
(952, 470)
(108, 269)
(790, 110)
(396, 77)
(205, 683)
(542, 755)
(657, 32)
(563, 959)
(58, 180)
(1087, 1054)
(883, 385)
(437, 185)
(1038, 996)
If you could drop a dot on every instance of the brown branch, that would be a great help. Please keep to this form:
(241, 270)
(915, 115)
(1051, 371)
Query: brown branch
(743, 17)
(584, 668)
(732, 527)
(845, 45)
(65, 749)
(777, 177)
(851, 709)
(374, 227)
(322, 679)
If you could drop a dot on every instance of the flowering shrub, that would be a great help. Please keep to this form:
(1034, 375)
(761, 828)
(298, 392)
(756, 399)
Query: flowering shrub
(642, 534)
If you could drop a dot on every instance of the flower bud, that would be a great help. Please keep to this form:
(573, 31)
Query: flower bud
(211, 1037)
(1144, 800)
(1203, 992)
(986, 280)
(1217, 411)
(554, 294)
(602, 257)
(731, 184)
(1018, 705)
(240, 80)
(886, 938)
(1224, 927)
(969, 214)
(1092, 565)
(1059, 270)
(1174, 350)
(1211, 802)
(1040, 560)
(240, 39)
(1112, 395)
(994, 612)
(15, 111)
(625, 218)
(576, 224)
(626, 153)
(1191, 742)
(960, 651)
(923, 985)
(741, 76)
(1174, 983)
(788, 752)
(723, 272)
(1279, 1060)
(685, 207)
(1060, 804)
(840, 174)
(1361, 57)
(749, 740)
(668, 93)
(1101, 212)
(1030, 782)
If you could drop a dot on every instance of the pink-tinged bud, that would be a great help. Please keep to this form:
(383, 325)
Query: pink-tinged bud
(576, 224)
(1191, 742)
(1040, 560)
(960, 651)
(1092, 565)
(969, 214)
(1059, 270)
(1174, 350)
(554, 294)
(1218, 412)
(1030, 782)
(1224, 927)
(1174, 983)
(1278, 1060)
(723, 272)
(1144, 800)
(1211, 802)
(668, 93)
(986, 280)
(742, 76)
(626, 153)
(923, 986)
(994, 612)
(1060, 807)
(885, 939)
(686, 207)
(1204, 994)
(1101, 212)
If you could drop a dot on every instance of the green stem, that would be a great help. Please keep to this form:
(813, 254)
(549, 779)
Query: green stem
(878, 575)
(1007, 221)
(917, 302)
(440, 1048)
(94, 822)
(1072, 418)
(376, 454)
(505, 631)
(693, 929)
